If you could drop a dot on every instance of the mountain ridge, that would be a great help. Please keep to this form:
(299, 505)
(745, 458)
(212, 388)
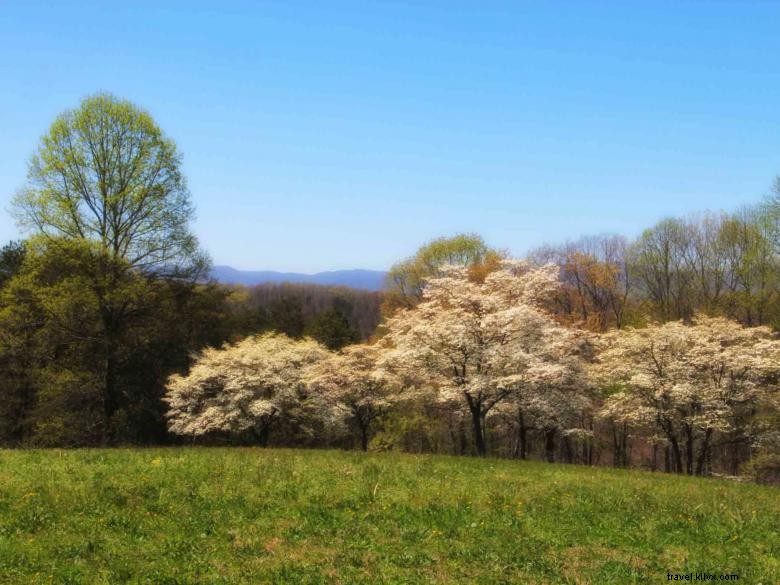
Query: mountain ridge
(357, 278)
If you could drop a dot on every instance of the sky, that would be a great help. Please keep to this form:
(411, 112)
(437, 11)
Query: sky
(327, 135)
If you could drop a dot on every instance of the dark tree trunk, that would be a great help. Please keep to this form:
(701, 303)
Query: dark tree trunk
(262, 434)
(567, 449)
(476, 422)
(549, 445)
(589, 445)
(453, 430)
(620, 445)
(463, 439)
(522, 436)
(364, 436)
(616, 455)
(703, 452)
(676, 455)
(689, 450)
(110, 391)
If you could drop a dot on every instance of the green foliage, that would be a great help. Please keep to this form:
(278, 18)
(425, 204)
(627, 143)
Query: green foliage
(105, 173)
(11, 259)
(406, 279)
(332, 328)
(53, 355)
(723, 264)
(286, 316)
(412, 432)
(110, 211)
(236, 515)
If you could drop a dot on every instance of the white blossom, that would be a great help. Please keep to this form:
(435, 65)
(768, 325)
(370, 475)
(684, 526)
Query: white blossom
(241, 387)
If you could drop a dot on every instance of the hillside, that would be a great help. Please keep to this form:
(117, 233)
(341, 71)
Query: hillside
(187, 515)
(362, 279)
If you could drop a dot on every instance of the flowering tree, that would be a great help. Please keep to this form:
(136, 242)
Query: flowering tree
(242, 388)
(553, 398)
(354, 388)
(688, 381)
(482, 341)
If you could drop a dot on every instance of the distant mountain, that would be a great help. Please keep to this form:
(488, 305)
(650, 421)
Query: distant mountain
(365, 279)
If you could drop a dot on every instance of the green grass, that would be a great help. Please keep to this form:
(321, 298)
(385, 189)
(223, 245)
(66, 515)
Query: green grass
(190, 515)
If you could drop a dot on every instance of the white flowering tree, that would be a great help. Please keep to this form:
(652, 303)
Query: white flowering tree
(353, 387)
(553, 398)
(242, 388)
(688, 381)
(482, 342)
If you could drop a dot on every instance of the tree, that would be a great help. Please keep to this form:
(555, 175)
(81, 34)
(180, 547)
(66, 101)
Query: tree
(483, 342)
(689, 382)
(659, 267)
(11, 260)
(285, 315)
(49, 330)
(51, 340)
(243, 388)
(406, 280)
(751, 267)
(332, 328)
(596, 280)
(106, 175)
(355, 386)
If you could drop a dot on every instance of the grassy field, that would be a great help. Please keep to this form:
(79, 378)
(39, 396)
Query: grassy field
(189, 515)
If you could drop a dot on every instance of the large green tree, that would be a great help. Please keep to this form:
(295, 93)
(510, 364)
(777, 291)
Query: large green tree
(52, 366)
(406, 279)
(105, 175)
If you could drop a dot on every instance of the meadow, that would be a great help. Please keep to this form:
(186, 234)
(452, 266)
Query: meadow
(235, 515)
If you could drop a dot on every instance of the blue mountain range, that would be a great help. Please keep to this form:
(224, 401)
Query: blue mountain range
(363, 279)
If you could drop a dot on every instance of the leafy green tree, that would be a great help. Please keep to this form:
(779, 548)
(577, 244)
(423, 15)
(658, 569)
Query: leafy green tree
(285, 315)
(406, 279)
(332, 329)
(107, 176)
(49, 333)
(752, 287)
(11, 259)
(659, 267)
(51, 343)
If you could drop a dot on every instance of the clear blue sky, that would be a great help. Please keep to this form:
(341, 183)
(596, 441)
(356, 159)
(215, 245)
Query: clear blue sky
(322, 135)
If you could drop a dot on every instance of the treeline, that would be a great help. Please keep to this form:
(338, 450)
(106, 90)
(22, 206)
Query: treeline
(656, 352)
(53, 361)
(107, 297)
(334, 315)
(480, 365)
(718, 264)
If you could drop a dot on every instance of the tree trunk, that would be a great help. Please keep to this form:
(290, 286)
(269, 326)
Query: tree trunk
(522, 436)
(549, 445)
(616, 456)
(703, 452)
(110, 398)
(676, 455)
(262, 434)
(567, 450)
(364, 436)
(476, 422)
(463, 439)
(625, 447)
(689, 450)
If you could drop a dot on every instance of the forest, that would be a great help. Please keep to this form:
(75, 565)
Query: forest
(657, 352)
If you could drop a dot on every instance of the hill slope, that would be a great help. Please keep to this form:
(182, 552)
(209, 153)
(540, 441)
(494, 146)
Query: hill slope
(364, 279)
(187, 515)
